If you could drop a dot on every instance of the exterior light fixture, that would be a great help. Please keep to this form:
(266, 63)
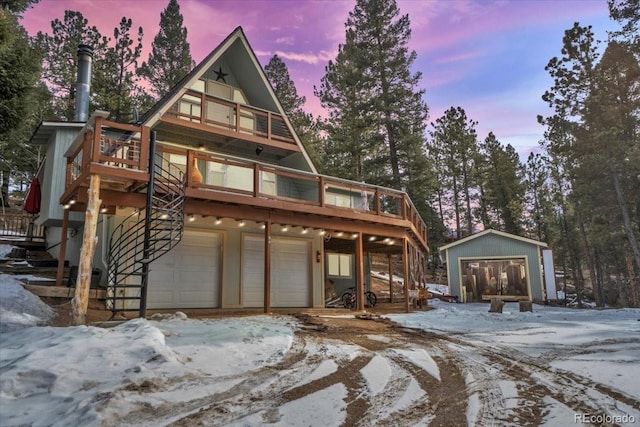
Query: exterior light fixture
(304, 230)
(263, 226)
(259, 150)
(218, 221)
(192, 218)
(285, 228)
(164, 216)
(241, 223)
(372, 238)
(66, 206)
(339, 233)
(354, 235)
(322, 232)
(103, 209)
(201, 147)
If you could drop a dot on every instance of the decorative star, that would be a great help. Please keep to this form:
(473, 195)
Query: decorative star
(220, 75)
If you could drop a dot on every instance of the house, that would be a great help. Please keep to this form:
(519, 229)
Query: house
(211, 201)
(493, 263)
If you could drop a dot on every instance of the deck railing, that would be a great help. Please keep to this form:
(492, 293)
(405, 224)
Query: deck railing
(212, 111)
(218, 174)
(20, 226)
(121, 151)
(115, 145)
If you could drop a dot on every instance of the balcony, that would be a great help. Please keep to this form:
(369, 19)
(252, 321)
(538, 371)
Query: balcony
(119, 154)
(225, 119)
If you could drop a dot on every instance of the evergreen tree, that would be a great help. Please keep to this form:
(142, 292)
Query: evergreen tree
(376, 125)
(60, 58)
(170, 59)
(454, 147)
(292, 103)
(17, 6)
(600, 96)
(627, 14)
(116, 78)
(503, 189)
(19, 100)
(349, 146)
(537, 198)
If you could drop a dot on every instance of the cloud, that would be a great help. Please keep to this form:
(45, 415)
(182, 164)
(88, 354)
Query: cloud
(458, 57)
(285, 40)
(308, 58)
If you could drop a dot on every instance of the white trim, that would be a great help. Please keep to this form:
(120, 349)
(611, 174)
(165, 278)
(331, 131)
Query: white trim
(497, 233)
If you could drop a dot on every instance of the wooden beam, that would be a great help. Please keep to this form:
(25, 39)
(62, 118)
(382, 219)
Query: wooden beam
(63, 291)
(267, 266)
(80, 300)
(360, 273)
(390, 278)
(405, 265)
(63, 247)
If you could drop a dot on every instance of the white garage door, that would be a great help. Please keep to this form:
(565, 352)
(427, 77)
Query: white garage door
(290, 272)
(188, 276)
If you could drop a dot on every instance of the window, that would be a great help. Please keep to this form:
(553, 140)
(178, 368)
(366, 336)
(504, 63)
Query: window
(268, 183)
(339, 265)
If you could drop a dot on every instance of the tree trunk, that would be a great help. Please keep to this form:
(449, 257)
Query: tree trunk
(626, 218)
(634, 293)
(4, 196)
(593, 275)
(80, 300)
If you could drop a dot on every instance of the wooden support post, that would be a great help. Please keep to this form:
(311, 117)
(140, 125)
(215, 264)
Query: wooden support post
(80, 300)
(267, 266)
(496, 305)
(405, 265)
(526, 306)
(360, 273)
(63, 247)
(390, 278)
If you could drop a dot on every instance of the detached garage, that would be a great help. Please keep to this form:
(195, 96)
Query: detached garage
(495, 264)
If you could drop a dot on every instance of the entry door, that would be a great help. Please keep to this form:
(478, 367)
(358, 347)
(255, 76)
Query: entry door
(188, 276)
(290, 272)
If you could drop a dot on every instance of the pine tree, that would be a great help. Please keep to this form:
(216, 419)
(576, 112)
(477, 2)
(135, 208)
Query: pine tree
(19, 98)
(454, 147)
(627, 14)
(116, 78)
(349, 145)
(503, 188)
(60, 56)
(538, 203)
(376, 125)
(292, 103)
(170, 59)
(597, 98)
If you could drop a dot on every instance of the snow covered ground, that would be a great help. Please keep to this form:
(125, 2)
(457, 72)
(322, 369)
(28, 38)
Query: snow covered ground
(556, 363)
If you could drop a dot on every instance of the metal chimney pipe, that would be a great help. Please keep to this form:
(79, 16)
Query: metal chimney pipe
(83, 90)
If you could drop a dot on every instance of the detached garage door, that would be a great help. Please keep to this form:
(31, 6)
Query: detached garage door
(188, 276)
(290, 272)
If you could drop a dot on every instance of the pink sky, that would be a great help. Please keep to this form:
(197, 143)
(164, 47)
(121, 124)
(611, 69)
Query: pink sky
(487, 56)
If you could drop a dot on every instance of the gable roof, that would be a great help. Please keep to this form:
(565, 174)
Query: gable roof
(250, 72)
(497, 233)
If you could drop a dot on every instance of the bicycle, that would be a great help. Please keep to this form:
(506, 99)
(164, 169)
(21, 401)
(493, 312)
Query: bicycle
(349, 298)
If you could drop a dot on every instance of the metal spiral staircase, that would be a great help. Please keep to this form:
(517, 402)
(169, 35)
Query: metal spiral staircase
(145, 236)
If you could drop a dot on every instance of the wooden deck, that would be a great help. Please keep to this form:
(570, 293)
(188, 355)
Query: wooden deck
(119, 154)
